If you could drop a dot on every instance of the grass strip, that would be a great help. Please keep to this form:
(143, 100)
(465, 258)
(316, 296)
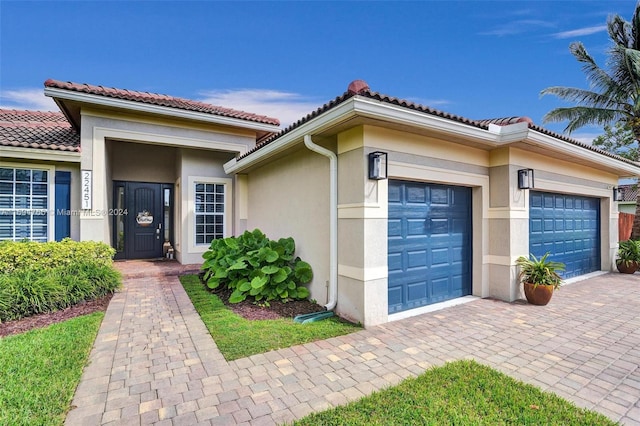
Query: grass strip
(459, 393)
(41, 368)
(237, 337)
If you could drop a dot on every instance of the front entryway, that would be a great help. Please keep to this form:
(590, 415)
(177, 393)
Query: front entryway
(429, 244)
(142, 219)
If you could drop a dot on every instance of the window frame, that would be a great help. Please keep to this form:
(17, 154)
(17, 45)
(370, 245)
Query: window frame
(49, 211)
(191, 203)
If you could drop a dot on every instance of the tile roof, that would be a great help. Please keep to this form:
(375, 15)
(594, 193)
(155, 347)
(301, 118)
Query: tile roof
(505, 121)
(360, 88)
(35, 129)
(160, 100)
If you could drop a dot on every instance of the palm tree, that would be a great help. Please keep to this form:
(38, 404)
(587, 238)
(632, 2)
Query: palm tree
(614, 94)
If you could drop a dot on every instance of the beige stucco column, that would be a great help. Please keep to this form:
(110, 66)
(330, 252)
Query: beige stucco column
(508, 225)
(362, 234)
(94, 224)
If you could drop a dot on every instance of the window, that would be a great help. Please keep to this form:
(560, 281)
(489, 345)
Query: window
(24, 203)
(209, 212)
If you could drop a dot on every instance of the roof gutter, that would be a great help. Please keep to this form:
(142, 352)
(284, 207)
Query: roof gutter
(333, 219)
(157, 109)
(329, 119)
(549, 142)
(359, 106)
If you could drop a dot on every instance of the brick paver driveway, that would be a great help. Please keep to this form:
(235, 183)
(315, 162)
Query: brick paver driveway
(154, 362)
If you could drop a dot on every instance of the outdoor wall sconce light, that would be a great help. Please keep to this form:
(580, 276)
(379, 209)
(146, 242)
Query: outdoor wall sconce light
(617, 194)
(378, 165)
(525, 178)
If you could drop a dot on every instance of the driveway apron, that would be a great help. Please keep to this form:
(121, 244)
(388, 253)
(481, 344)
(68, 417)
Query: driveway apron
(154, 362)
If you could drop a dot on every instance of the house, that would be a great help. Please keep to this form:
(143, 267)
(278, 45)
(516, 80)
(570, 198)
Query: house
(398, 207)
(627, 198)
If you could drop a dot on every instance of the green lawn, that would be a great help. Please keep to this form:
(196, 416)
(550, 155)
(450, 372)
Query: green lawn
(237, 337)
(459, 393)
(40, 370)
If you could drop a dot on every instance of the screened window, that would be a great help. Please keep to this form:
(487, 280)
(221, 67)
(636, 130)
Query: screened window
(209, 211)
(24, 204)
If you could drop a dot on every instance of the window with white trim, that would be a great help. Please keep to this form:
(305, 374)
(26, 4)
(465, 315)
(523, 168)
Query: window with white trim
(209, 212)
(24, 204)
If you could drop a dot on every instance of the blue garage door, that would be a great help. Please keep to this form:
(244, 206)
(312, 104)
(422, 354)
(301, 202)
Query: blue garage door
(429, 244)
(568, 227)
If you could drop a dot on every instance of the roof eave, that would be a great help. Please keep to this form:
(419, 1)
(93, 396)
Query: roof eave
(64, 94)
(549, 142)
(42, 154)
(330, 118)
(362, 107)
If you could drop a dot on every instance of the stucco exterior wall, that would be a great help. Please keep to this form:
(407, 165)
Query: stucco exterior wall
(290, 198)
(500, 211)
(137, 147)
(207, 167)
(140, 162)
(427, 159)
(510, 209)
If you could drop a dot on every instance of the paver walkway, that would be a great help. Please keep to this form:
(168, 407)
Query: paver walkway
(154, 362)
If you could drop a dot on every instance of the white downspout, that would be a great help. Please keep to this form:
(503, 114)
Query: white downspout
(333, 219)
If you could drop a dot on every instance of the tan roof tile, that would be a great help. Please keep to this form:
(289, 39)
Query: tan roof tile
(160, 100)
(36, 129)
(361, 88)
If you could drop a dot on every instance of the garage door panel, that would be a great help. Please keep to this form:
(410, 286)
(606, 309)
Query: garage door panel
(417, 259)
(415, 226)
(439, 226)
(439, 195)
(440, 256)
(395, 228)
(429, 259)
(570, 230)
(416, 194)
(395, 262)
(395, 296)
(416, 291)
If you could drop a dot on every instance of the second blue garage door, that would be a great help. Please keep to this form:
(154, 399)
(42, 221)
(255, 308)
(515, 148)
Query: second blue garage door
(568, 227)
(429, 248)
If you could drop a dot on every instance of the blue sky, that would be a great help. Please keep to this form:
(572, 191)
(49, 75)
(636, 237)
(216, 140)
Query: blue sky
(478, 59)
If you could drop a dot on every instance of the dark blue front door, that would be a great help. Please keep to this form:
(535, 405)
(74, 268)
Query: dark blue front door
(143, 235)
(568, 227)
(429, 244)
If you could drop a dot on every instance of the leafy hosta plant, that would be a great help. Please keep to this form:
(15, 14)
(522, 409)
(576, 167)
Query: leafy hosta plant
(253, 265)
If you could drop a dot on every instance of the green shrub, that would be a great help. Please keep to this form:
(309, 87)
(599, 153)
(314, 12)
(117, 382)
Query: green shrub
(253, 265)
(36, 256)
(64, 274)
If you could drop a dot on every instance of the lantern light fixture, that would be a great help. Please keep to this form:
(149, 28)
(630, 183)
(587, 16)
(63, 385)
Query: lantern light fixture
(378, 165)
(525, 179)
(617, 194)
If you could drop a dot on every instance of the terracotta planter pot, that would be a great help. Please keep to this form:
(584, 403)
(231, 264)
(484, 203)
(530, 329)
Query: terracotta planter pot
(540, 295)
(627, 268)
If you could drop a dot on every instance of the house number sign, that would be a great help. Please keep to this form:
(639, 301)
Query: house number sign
(86, 189)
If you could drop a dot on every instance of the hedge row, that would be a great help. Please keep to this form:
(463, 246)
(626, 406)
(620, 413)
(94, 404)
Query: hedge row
(37, 256)
(45, 277)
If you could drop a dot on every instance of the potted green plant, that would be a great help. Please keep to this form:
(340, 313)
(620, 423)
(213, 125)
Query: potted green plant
(539, 278)
(628, 256)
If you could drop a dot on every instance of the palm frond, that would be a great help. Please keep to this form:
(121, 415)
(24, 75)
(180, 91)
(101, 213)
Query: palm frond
(582, 96)
(582, 116)
(619, 31)
(625, 70)
(614, 93)
(635, 28)
(597, 77)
